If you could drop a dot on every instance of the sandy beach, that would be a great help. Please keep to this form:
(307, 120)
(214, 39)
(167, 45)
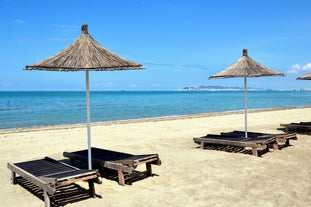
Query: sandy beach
(188, 176)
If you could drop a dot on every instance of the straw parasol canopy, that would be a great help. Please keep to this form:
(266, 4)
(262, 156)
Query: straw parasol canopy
(305, 77)
(85, 54)
(245, 67)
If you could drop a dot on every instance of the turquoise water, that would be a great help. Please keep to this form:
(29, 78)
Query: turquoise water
(30, 109)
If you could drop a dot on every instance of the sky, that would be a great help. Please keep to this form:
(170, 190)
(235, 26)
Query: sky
(179, 42)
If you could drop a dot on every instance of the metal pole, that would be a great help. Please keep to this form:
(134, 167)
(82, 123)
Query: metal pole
(245, 105)
(88, 119)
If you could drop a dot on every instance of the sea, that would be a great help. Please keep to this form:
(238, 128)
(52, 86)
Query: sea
(21, 109)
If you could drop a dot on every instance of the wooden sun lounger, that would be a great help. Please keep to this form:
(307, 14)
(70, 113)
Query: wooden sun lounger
(121, 162)
(302, 127)
(282, 139)
(255, 143)
(49, 175)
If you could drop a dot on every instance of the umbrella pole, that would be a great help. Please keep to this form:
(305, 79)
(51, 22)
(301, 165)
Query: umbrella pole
(245, 105)
(88, 117)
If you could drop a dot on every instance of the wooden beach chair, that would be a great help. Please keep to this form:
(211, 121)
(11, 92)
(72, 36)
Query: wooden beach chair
(49, 175)
(281, 139)
(255, 143)
(123, 163)
(301, 127)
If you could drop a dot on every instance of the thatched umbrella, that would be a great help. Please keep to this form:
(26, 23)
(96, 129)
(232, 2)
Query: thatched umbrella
(245, 67)
(85, 54)
(305, 77)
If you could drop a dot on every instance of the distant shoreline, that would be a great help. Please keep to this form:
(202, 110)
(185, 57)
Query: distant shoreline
(141, 120)
(220, 88)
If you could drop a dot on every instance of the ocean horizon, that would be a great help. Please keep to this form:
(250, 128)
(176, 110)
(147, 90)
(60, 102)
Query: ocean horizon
(22, 109)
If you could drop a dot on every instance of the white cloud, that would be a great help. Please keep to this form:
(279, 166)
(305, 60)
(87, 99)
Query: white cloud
(111, 84)
(108, 84)
(295, 69)
(133, 85)
(64, 28)
(307, 67)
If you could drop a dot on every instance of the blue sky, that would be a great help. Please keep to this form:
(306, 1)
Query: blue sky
(179, 42)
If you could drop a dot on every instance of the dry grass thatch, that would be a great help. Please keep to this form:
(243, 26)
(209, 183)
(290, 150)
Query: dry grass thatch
(305, 77)
(84, 54)
(246, 67)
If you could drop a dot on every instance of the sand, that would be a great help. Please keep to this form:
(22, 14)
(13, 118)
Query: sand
(188, 176)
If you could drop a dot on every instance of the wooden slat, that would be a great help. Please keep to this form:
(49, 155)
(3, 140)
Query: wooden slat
(118, 166)
(280, 138)
(73, 180)
(150, 160)
(225, 142)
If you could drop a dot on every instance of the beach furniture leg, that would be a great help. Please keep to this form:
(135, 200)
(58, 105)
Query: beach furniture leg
(14, 182)
(121, 177)
(92, 188)
(149, 169)
(254, 151)
(46, 199)
(275, 146)
(287, 142)
(202, 145)
(283, 139)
